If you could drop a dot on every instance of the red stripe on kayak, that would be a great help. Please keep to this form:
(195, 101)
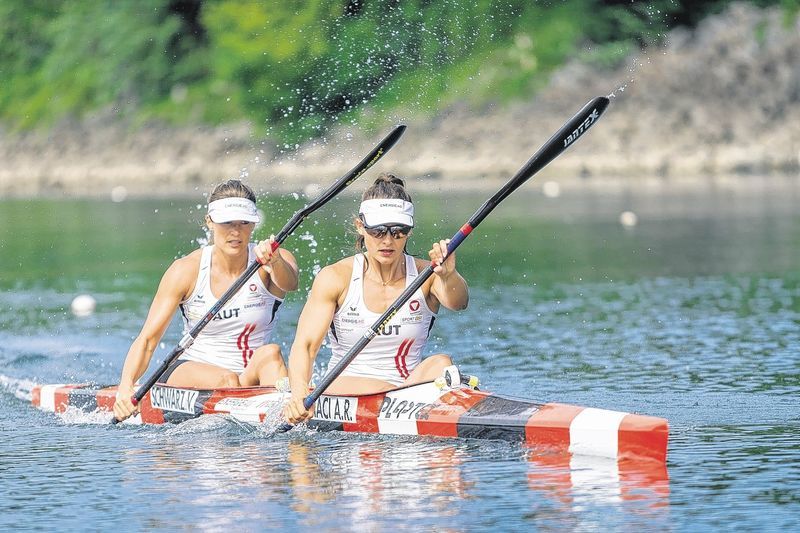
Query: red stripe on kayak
(366, 415)
(642, 437)
(441, 418)
(36, 396)
(150, 415)
(106, 398)
(210, 405)
(549, 426)
(61, 397)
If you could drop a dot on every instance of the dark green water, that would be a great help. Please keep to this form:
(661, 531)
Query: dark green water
(693, 315)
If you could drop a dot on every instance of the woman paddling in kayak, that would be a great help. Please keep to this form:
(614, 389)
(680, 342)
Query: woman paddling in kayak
(349, 296)
(232, 350)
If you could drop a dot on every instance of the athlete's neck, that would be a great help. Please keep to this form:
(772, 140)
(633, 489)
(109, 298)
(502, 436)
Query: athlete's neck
(229, 264)
(385, 274)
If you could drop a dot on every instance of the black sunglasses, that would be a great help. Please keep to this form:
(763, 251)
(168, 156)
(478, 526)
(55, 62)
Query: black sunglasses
(398, 231)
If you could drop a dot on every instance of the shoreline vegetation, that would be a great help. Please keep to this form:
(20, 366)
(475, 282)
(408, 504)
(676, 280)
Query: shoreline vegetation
(717, 105)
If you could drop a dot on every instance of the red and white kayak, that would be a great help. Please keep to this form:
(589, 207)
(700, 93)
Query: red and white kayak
(423, 409)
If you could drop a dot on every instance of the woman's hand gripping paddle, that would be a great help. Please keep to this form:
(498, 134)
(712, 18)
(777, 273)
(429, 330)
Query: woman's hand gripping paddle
(373, 157)
(558, 143)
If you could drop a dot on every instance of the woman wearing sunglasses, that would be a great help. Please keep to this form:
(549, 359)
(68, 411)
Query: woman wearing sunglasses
(349, 296)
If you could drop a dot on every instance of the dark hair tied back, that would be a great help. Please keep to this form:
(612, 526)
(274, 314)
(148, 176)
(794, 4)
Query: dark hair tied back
(386, 186)
(231, 189)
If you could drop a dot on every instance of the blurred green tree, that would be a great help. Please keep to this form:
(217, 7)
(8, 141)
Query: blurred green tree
(293, 67)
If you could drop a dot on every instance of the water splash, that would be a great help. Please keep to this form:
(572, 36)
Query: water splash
(76, 415)
(211, 425)
(20, 388)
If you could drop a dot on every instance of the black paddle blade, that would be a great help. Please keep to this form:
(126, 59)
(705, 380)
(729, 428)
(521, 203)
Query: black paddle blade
(565, 137)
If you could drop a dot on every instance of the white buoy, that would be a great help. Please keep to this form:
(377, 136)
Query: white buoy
(551, 189)
(628, 219)
(119, 194)
(83, 305)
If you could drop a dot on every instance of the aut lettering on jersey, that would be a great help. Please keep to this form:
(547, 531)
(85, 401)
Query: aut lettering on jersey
(390, 330)
(227, 313)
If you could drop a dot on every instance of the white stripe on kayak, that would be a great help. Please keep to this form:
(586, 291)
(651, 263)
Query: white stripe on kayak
(251, 408)
(397, 415)
(48, 397)
(595, 432)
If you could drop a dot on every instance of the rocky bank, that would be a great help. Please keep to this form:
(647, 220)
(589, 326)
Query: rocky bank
(720, 103)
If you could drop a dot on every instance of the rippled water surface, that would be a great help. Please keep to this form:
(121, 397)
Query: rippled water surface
(692, 315)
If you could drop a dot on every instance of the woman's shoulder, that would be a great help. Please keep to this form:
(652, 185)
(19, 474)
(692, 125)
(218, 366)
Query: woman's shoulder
(335, 277)
(421, 264)
(180, 277)
(187, 266)
(192, 259)
(339, 270)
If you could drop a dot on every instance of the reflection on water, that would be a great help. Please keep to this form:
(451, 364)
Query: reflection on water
(364, 478)
(692, 315)
(224, 476)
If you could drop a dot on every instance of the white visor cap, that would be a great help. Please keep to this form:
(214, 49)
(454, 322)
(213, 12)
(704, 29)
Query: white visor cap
(384, 211)
(233, 209)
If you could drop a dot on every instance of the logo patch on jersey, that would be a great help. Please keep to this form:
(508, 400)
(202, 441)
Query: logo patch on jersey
(169, 399)
(253, 287)
(413, 305)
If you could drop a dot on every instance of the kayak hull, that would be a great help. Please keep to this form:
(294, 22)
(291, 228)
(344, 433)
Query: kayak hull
(422, 409)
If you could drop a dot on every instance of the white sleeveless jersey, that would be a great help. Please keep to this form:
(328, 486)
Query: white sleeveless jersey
(244, 324)
(397, 349)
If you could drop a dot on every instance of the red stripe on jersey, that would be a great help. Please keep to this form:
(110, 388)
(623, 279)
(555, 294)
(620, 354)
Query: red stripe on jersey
(397, 357)
(404, 358)
(243, 343)
(400, 357)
